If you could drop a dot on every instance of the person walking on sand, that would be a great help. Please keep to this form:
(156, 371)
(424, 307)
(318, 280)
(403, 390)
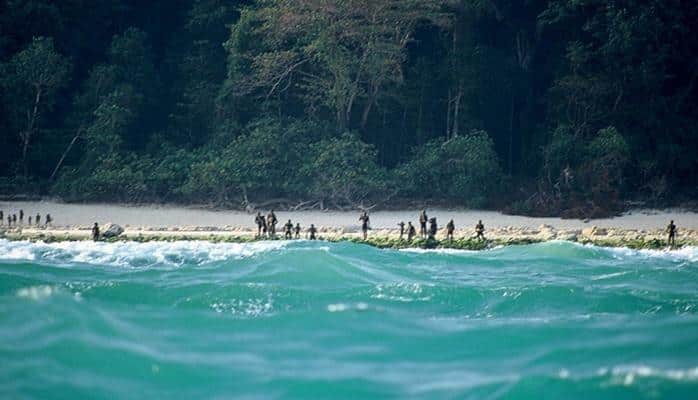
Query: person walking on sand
(48, 219)
(95, 232)
(261, 224)
(671, 231)
(365, 220)
(30, 221)
(423, 224)
(480, 231)
(411, 232)
(432, 227)
(38, 219)
(450, 227)
(402, 229)
(2, 218)
(311, 232)
(297, 230)
(21, 217)
(271, 224)
(14, 219)
(288, 230)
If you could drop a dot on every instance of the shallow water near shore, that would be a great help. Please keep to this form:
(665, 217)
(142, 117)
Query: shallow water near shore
(342, 320)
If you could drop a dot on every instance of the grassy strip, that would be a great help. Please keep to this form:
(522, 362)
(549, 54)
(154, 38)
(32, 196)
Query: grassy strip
(381, 242)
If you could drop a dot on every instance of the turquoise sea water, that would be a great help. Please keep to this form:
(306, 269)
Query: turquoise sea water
(196, 320)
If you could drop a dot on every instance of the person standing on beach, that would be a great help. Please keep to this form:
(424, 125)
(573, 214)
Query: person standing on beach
(432, 227)
(402, 229)
(288, 230)
(261, 224)
(423, 224)
(48, 219)
(311, 232)
(271, 223)
(14, 219)
(364, 224)
(480, 231)
(21, 217)
(298, 230)
(95, 232)
(450, 227)
(671, 230)
(411, 232)
(2, 218)
(38, 219)
(30, 221)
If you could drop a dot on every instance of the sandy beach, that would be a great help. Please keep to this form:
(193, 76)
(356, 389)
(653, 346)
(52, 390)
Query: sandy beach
(68, 215)
(175, 222)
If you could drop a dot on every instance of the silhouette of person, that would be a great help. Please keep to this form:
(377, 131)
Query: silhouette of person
(450, 227)
(271, 223)
(297, 230)
(411, 231)
(95, 232)
(671, 231)
(288, 230)
(261, 224)
(311, 232)
(402, 229)
(38, 219)
(480, 230)
(364, 224)
(432, 227)
(423, 223)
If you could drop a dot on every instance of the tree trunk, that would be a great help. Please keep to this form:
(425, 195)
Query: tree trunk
(65, 153)
(30, 130)
(448, 115)
(456, 108)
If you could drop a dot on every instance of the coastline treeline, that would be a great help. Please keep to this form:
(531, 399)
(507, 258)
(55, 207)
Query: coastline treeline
(566, 107)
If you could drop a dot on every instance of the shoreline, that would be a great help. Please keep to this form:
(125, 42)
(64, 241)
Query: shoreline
(635, 229)
(381, 238)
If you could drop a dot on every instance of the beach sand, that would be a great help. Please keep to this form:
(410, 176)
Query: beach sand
(73, 221)
(178, 216)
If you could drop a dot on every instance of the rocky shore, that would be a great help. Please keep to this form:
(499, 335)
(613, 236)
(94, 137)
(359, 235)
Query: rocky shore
(384, 238)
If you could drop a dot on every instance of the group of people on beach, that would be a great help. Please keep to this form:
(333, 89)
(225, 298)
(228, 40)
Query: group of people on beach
(13, 220)
(424, 231)
(428, 228)
(266, 227)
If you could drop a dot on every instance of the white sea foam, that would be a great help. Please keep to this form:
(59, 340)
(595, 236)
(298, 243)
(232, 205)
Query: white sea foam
(341, 307)
(132, 254)
(37, 293)
(689, 253)
(437, 251)
(628, 374)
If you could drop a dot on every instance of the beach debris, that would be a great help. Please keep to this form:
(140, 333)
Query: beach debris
(112, 230)
(594, 231)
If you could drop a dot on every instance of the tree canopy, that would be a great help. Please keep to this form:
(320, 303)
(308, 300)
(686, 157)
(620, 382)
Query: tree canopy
(572, 107)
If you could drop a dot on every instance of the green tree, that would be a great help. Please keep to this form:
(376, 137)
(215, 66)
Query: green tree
(344, 172)
(464, 168)
(34, 76)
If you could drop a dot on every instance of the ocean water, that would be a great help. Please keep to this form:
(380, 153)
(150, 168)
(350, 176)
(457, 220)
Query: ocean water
(267, 320)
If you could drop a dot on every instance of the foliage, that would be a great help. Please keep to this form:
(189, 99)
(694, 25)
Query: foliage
(464, 168)
(586, 104)
(344, 171)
